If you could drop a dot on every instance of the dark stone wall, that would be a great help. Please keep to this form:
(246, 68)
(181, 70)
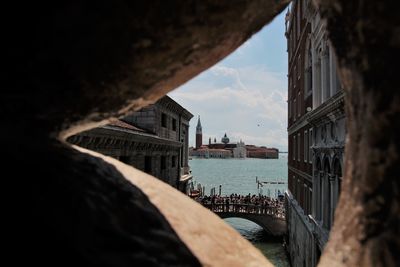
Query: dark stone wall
(365, 35)
(68, 63)
(99, 59)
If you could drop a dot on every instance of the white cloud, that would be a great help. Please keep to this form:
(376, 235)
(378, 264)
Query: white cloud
(241, 95)
(248, 103)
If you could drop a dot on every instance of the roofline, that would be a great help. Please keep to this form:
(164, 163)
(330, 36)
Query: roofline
(164, 101)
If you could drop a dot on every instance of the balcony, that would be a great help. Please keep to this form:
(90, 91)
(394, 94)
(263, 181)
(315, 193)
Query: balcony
(185, 174)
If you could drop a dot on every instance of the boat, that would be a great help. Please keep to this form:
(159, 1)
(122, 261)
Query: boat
(194, 193)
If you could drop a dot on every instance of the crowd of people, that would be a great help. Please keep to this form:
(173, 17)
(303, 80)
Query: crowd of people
(257, 204)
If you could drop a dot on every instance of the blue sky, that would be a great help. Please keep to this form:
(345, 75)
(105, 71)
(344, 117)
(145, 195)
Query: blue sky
(244, 95)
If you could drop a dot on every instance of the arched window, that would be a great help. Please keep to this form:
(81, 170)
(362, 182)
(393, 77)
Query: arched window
(337, 172)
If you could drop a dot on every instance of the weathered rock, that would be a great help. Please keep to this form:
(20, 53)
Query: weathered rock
(78, 62)
(72, 63)
(367, 220)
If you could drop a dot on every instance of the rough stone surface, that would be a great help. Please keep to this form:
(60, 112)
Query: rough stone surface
(367, 220)
(213, 242)
(91, 215)
(81, 61)
(71, 64)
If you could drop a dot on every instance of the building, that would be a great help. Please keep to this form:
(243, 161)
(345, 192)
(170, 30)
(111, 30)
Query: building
(316, 134)
(240, 150)
(154, 139)
(199, 134)
(262, 152)
(229, 150)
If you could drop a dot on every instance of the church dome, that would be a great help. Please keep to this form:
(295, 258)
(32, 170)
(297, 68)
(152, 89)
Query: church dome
(225, 139)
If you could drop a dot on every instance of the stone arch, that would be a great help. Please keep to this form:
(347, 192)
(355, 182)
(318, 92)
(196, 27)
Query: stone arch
(337, 166)
(273, 226)
(327, 164)
(337, 180)
(64, 82)
(318, 164)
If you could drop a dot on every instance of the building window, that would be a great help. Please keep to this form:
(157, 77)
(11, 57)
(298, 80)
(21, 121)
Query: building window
(294, 108)
(173, 124)
(306, 146)
(173, 161)
(294, 147)
(310, 144)
(163, 162)
(164, 120)
(147, 164)
(298, 146)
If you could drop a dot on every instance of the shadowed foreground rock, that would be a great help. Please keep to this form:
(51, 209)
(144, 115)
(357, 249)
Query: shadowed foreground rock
(79, 62)
(367, 220)
(72, 63)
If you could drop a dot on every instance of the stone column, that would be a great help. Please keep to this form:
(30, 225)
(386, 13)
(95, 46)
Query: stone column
(314, 192)
(332, 197)
(333, 73)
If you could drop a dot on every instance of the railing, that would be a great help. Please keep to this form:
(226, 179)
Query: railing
(275, 211)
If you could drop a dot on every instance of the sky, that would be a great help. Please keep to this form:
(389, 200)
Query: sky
(245, 94)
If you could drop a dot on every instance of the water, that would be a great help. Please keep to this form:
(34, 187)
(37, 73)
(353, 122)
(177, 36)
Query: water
(239, 176)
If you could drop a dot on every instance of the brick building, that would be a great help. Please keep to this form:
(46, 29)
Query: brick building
(316, 133)
(154, 139)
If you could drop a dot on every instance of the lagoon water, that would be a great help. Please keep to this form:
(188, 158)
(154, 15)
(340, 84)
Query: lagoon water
(239, 176)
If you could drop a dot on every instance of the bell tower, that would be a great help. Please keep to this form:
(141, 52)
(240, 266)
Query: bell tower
(199, 134)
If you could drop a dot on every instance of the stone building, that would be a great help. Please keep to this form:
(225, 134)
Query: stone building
(261, 152)
(153, 139)
(229, 150)
(205, 152)
(240, 150)
(316, 134)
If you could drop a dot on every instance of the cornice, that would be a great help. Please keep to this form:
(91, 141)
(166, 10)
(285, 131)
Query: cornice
(301, 173)
(330, 110)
